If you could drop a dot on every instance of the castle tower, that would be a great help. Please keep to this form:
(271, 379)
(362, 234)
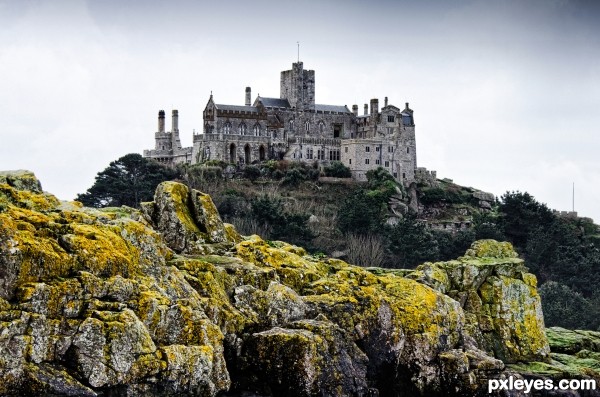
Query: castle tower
(162, 139)
(248, 96)
(161, 121)
(298, 87)
(175, 121)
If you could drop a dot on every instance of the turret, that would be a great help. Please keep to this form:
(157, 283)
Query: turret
(374, 108)
(248, 96)
(161, 121)
(366, 109)
(355, 110)
(175, 121)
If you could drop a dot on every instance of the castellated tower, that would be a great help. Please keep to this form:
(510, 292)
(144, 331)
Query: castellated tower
(298, 87)
(162, 139)
(167, 145)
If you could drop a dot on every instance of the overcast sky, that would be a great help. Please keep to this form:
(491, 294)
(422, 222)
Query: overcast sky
(506, 93)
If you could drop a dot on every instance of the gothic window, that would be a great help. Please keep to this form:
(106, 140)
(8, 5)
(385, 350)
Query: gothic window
(390, 119)
(366, 161)
(257, 129)
(243, 129)
(321, 127)
(367, 149)
(227, 128)
(307, 127)
(291, 125)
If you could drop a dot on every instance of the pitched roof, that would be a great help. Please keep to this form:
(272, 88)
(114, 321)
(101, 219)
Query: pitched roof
(274, 102)
(238, 108)
(332, 108)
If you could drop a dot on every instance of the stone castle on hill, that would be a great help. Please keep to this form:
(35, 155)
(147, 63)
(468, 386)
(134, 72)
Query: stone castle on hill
(295, 128)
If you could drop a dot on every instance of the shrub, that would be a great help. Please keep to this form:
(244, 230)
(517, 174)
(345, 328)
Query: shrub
(337, 170)
(251, 172)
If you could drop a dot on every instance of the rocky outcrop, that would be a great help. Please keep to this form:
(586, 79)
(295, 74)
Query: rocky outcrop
(171, 301)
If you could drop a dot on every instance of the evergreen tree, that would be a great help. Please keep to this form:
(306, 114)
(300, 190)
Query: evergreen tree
(127, 181)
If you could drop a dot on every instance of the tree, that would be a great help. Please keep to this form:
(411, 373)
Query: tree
(520, 213)
(411, 243)
(127, 181)
(280, 224)
(338, 170)
(564, 307)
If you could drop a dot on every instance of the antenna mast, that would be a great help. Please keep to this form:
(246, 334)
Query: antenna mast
(298, 43)
(573, 196)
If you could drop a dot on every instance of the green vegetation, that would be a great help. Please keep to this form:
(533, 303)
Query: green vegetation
(338, 170)
(127, 181)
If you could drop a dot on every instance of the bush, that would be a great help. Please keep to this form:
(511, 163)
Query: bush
(337, 170)
(251, 172)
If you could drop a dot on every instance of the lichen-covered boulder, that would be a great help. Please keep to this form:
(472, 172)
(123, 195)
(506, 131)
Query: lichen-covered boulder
(503, 310)
(188, 219)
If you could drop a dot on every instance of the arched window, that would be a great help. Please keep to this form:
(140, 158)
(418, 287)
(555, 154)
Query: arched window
(247, 158)
(307, 127)
(243, 129)
(256, 129)
(232, 154)
(321, 127)
(227, 128)
(291, 125)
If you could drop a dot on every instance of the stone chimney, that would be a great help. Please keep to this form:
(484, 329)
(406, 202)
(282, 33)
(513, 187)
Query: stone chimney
(248, 96)
(175, 121)
(161, 121)
(374, 107)
(366, 109)
(385, 102)
(355, 110)
(407, 108)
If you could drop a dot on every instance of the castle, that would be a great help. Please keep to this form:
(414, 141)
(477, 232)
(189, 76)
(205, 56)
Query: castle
(294, 128)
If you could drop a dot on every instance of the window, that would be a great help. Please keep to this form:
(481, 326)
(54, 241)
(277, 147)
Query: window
(376, 148)
(309, 153)
(390, 119)
(387, 164)
(349, 161)
(403, 175)
(407, 150)
(346, 149)
(227, 128)
(291, 125)
(376, 161)
(307, 126)
(243, 129)
(390, 149)
(256, 129)
(366, 161)
(367, 149)
(395, 175)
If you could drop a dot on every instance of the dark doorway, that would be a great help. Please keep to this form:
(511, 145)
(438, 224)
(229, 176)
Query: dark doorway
(261, 153)
(232, 155)
(337, 130)
(247, 154)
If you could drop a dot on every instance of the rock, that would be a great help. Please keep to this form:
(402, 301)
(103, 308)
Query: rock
(169, 300)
